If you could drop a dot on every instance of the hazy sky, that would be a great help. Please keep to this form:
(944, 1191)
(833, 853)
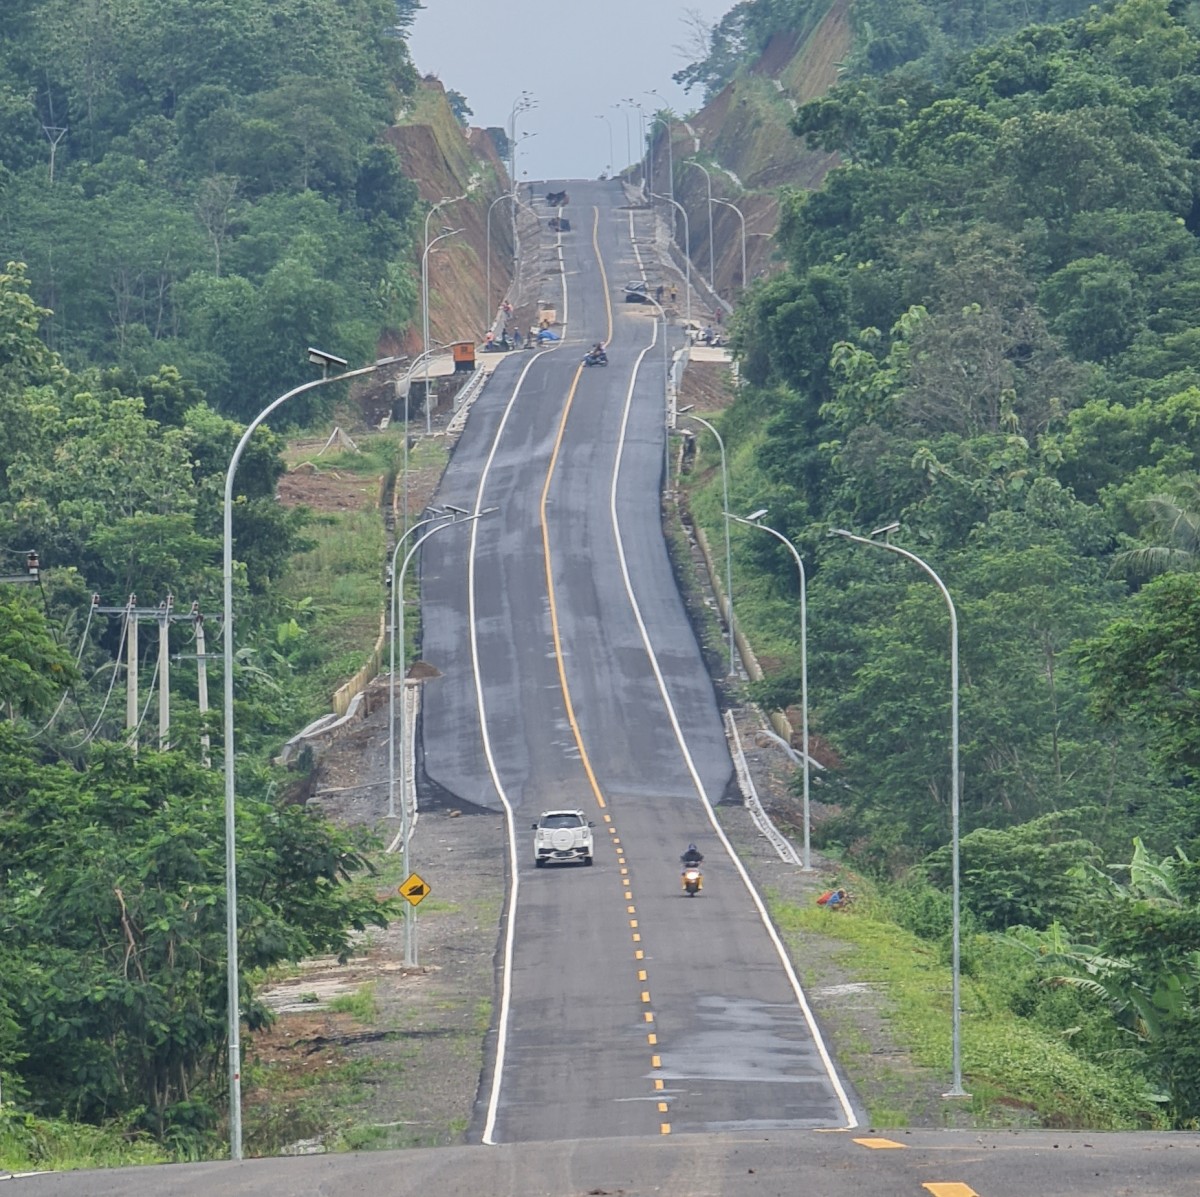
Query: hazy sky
(576, 57)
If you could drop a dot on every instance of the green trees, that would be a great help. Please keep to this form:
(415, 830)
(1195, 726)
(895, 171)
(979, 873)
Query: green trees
(112, 919)
(986, 331)
(112, 900)
(200, 142)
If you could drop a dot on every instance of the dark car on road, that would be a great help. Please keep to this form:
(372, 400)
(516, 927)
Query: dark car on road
(637, 292)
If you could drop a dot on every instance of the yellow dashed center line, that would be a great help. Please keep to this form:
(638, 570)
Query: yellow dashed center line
(645, 995)
(658, 1083)
(664, 1128)
(652, 1039)
(641, 974)
(878, 1143)
(656, 1061)
(950, 1189)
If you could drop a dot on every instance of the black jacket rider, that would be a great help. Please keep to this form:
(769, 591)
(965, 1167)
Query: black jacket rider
(693, 856)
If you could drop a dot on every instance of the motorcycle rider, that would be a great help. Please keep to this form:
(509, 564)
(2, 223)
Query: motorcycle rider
(692, 857)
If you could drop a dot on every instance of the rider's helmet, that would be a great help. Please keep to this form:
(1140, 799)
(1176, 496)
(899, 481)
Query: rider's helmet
(691, 847)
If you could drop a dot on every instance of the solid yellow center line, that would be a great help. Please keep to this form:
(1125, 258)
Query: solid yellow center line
(585, 760)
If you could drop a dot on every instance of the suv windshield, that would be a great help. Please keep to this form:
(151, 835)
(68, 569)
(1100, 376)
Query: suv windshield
(561, 821)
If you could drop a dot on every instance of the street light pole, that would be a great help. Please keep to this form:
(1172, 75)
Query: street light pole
(956, 1088)
(410, 957)
(712, 271)
(728, 204)
(628, 150)
(231, 949)
(523, 103)
(392, 602)
(754, 521)
(691, 415)
(489, 310)
(425, 317)
(669, 415)
(601, 117)
(687, 254)
(666, 124)
(406, 385)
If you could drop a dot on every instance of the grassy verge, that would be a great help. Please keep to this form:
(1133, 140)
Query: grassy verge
(29, 1144)
(1015, 1071)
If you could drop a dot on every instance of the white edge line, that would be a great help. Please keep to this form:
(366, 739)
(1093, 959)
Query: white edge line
(510, 915)
(831, 1071)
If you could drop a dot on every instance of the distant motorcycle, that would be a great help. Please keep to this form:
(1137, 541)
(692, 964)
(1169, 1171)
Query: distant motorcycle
(693, 880)
(595, 357)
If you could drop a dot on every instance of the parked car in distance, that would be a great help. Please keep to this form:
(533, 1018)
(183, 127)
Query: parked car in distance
(638, 292)
(562, 835)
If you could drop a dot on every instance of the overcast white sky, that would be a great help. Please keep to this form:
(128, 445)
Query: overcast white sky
(577, 57)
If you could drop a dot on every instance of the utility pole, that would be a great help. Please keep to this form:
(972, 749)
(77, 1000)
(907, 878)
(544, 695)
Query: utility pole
(201, 682)
(164, 673)
(164, 613)
(131, 672)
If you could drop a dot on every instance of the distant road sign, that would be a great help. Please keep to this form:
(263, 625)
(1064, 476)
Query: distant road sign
(414, 890)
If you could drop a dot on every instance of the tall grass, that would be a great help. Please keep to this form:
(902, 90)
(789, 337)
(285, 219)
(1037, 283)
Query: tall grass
(1009, 1063)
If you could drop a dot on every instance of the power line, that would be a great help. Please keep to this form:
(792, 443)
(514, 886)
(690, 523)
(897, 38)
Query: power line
(78, 658)
(115, 667)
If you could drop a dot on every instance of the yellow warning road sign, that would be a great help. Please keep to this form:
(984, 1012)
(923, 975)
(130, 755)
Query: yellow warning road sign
(414, 890)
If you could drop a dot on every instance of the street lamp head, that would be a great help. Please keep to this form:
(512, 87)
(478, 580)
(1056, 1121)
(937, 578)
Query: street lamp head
(319, 357)
(885, 529)
(755, 516)
(450, 507)
(685, 407)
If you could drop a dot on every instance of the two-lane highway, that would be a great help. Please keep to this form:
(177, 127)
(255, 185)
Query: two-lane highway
(571, 677)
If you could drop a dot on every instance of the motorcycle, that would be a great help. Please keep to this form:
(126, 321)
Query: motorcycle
(596, 357)
(693, 880)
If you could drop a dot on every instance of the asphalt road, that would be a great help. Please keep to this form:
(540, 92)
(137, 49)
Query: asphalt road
(571, 677)
(782, 1164)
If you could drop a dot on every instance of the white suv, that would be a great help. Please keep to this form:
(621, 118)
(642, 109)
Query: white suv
(562, 835)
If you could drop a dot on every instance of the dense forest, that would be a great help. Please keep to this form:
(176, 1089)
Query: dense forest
(202, 184)
(191, 191)
(987, 330)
